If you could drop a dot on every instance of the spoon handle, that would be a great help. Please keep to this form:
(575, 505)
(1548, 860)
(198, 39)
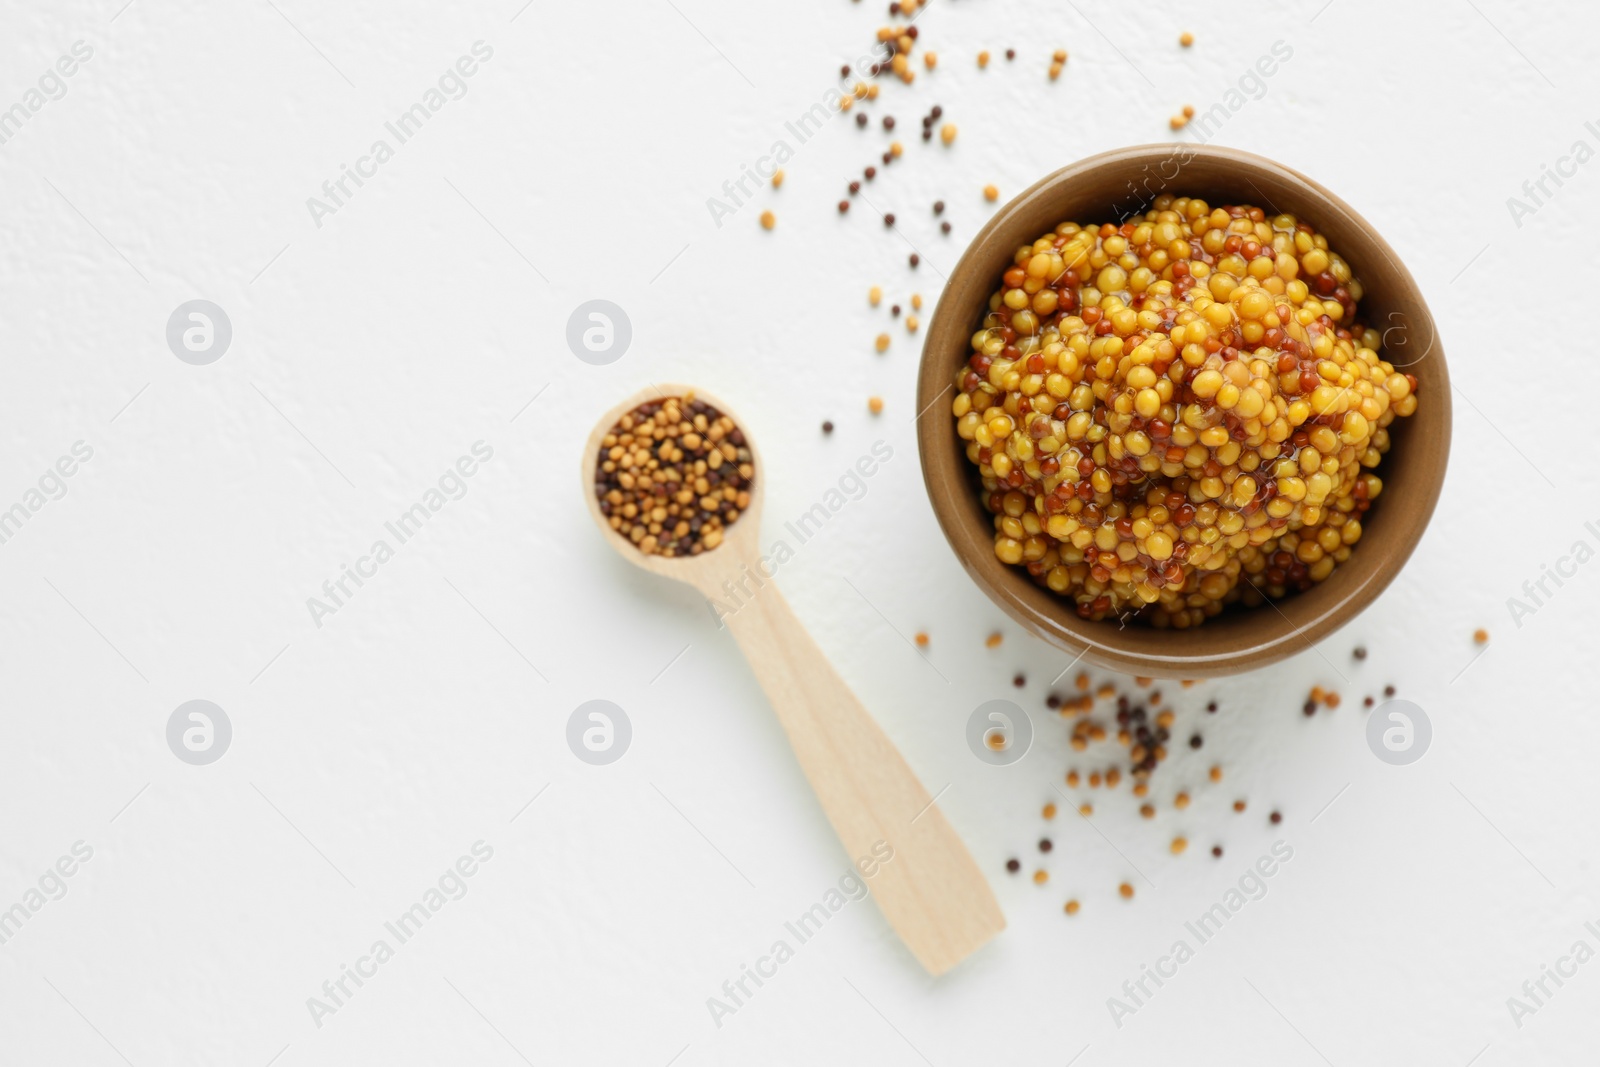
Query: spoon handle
(931, 891)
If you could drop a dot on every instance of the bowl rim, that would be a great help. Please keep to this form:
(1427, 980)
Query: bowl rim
(1098, 642)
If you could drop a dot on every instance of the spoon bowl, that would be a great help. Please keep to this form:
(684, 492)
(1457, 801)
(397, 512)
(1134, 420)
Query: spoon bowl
(928, 887)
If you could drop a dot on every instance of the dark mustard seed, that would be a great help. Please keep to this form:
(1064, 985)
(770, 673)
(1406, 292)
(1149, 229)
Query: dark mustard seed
(1045, 845)
(827, 426)
(1019, 681)
(1013, 866)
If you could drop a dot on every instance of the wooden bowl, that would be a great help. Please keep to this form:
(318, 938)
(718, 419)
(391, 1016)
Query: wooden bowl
(1111, 187)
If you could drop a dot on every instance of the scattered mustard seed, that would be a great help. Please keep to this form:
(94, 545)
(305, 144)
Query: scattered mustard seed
(1181, 801)
(1178, 845)
(875, 405)
(1071, 907)
(947, 132)
(777, 178)
(1481, 636)
(990, 193)
(983, 60)
(994, 640)
(1216, 774)
(768, 220)
(1041, 876)
(1049, 811)
(1126, 890)
(1186, 39)
(922, 639)
(882, 343)
(874, 295)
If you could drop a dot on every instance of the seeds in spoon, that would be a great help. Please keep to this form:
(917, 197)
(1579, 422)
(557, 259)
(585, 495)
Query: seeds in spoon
(673, 475)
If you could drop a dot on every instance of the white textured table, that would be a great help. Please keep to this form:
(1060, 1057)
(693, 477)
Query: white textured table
(417, 720)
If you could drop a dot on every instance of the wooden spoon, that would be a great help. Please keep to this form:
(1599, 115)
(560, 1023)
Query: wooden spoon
(931, 890)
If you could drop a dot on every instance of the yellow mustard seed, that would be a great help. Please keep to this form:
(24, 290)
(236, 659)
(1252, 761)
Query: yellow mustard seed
(768, 220)
(991, 193)
(882, 343)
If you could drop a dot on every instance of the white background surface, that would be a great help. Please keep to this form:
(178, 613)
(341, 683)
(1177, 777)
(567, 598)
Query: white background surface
(369, 753)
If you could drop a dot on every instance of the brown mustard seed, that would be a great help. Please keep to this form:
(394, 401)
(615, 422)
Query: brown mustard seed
(1011, 53)
(827, 426)
(1388, 690)
(1275, 818)
(944, 227)
(1019, 681)
(1216, 850)
(844, 205)
(1013, 866)
(1238, 805)
(673, 475)
(1045, 845)
(915, 259)
(888, 220)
